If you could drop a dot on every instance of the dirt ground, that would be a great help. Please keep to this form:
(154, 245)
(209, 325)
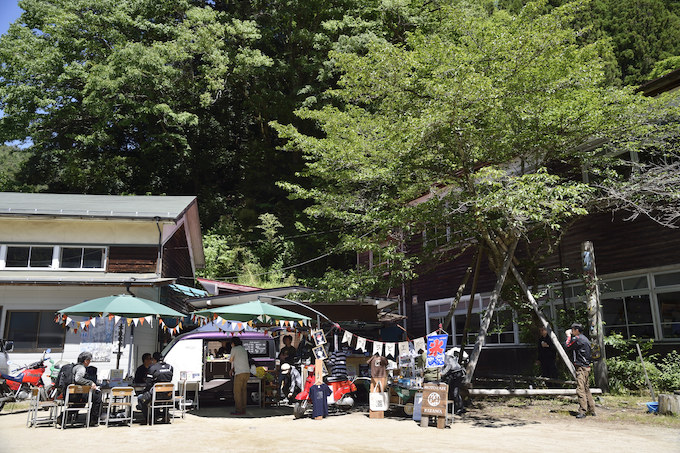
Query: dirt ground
(489, 426)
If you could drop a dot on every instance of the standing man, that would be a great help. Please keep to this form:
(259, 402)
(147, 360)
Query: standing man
(240, 371)
(546, 354)
(579, 347)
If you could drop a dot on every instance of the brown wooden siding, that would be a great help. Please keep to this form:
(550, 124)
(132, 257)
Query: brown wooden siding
(132, 259)
(177, 260)
(620, 246)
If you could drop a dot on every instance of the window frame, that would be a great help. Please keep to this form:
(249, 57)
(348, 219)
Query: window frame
(43, 315)
(56, 265)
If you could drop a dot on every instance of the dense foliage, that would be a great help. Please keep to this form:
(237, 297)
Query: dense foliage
(177, 97)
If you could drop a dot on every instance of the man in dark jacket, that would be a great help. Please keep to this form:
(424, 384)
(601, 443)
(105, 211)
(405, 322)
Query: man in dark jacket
(579, 348)
(546, 354)
(159, 371)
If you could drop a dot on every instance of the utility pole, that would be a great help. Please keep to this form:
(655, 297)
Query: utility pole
(594, 316)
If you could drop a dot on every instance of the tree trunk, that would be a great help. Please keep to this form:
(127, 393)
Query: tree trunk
(544, 321)
(500, 280)
(473, 291)
(594, 316)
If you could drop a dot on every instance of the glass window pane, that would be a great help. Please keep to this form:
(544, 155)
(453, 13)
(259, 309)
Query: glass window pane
(17, 257)
(23, 328)
(70, 257)
(608, 330)
(41, 256)
(92, 258)
(669, 310)
(613, 312)
(634, 283)
(611, 286)
(667, 279)
(639, 310)
(642, 331)
(50, 334)
(507, 337)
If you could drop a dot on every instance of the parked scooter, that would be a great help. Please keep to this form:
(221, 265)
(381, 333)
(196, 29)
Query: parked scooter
(342, 394)
(17, 387)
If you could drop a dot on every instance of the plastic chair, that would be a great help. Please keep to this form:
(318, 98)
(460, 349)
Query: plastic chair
(121, 397)
(38, 402)
(162, 397)
(73, 402)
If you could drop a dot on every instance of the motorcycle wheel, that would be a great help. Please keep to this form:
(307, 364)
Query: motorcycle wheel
(299, 409)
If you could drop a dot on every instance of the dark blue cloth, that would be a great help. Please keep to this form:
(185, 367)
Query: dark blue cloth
(319, 394)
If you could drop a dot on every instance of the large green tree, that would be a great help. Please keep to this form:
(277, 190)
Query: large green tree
(486, 114)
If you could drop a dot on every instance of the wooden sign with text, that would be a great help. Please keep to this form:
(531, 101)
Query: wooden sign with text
(434, 399)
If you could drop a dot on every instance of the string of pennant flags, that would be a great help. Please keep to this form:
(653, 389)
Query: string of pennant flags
(71, 323)
(387, 349)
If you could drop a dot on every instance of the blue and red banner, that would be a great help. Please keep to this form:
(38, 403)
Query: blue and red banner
(436, 347)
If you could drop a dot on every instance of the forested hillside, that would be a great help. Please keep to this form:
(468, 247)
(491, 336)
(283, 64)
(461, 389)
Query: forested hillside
(179, 97)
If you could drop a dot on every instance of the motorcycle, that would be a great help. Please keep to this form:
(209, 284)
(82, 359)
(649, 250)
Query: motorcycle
(18, 387)
(342, 391)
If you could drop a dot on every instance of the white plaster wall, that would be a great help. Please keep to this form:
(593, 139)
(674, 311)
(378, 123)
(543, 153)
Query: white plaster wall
(78, 231)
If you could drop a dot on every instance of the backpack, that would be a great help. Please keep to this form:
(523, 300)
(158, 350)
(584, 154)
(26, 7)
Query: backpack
(65, 378)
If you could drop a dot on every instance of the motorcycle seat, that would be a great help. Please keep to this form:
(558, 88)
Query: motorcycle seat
(336, 378)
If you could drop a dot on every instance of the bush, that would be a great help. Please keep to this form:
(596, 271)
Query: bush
(669, 372)
(625, 370)
(627, 375)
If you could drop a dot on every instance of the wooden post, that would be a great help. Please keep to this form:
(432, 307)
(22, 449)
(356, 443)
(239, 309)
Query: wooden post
(594, 316)
(484, 327)
(544, 321)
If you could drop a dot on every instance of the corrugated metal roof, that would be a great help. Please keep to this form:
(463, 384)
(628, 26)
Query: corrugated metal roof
(96, 206)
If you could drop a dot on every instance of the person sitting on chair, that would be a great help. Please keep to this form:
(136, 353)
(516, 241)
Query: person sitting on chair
(288, 352)
(159, 371)
(80, 378)
(143, 369)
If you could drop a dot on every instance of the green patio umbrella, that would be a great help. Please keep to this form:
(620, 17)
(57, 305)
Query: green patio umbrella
(253, 311)
(123, 305)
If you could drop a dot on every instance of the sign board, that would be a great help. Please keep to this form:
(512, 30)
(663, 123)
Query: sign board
(436, 346)
(434, 399)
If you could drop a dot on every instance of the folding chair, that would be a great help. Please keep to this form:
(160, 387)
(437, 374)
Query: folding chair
(162, 397)
(73, 402)
(182, 401)
(39, 402)
(121, 397)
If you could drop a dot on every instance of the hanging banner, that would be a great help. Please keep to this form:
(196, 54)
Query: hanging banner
(377, 347)
(98, 340)
(389, 350)
(436, 346)
(403, 348)
(361, 344)
(347, 337)
(419, 345)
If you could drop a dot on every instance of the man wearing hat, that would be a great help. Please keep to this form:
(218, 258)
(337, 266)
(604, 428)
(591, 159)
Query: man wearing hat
(579, 347)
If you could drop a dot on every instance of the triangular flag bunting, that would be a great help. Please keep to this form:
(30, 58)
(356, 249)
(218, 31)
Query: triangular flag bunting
(347, 337)
(419, 344)
(361, 344)
(403, 348)
(389, 350)
(93, 321)
(117, 318)
(378, 347)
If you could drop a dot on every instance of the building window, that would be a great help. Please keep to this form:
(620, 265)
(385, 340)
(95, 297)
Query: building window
(501, 329)
(29, 257)
(628, 315)
(82, 258)
(34, 330)
(52, 257)
(669, 312)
